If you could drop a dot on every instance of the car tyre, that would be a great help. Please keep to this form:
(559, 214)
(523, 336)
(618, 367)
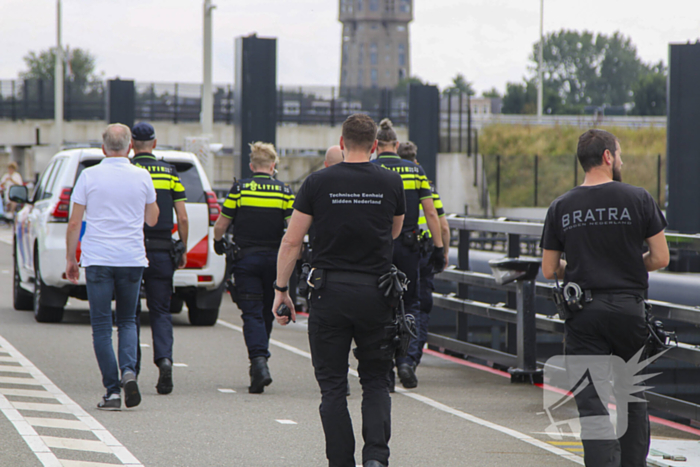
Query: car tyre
(201, 316)
(43, 313)
(21, 299)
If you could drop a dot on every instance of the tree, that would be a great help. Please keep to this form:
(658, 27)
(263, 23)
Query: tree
(520, 98)
(650, 92)
(403, 85)
(79, 69)
(587, 69)
(492, 93)
(460, 83)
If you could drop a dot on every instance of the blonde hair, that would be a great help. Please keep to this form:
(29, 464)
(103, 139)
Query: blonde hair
(12, 165)
(386, 134)
(262, 154)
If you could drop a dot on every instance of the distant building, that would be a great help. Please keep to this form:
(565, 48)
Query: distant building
(375, 51)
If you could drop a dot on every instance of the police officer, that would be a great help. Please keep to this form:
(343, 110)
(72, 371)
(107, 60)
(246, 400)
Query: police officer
(258, 207)
(602, 227)
(357, 209)
(406, 248)
(158, 276)
(426, 286)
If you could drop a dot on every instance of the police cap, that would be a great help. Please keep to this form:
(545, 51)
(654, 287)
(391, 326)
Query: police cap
(143, 131)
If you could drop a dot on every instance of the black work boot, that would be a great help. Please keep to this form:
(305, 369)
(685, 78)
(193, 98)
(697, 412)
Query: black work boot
(165, 377)
(373, 464)
(259, 375)
(407, 375)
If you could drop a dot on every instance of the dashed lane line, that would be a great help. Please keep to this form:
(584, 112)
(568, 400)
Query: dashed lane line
(442, 407)
(41, 446)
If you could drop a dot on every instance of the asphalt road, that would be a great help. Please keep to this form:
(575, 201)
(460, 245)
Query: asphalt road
(457, 416)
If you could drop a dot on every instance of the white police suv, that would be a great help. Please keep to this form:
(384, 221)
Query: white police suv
(39, 251)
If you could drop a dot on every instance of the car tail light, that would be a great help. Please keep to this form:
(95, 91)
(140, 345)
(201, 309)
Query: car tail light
(60, 212)
(214, 208)
(205, 278)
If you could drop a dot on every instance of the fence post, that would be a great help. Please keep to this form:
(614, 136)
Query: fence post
(463, 289)
(153, 101)
(460, 121)
(333, 106)
(498, 180)
(658, 179)
(449, 121)
(511, 297)
(469, 126)
(14, 100)
(175, 107)
(536, 164)
(527, 371)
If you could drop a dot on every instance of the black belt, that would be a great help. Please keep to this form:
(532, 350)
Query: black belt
(255, 249)
(348, 277)
(595, 292)
(154, 244)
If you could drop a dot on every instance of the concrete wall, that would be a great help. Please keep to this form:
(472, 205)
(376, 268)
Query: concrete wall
(455, 183)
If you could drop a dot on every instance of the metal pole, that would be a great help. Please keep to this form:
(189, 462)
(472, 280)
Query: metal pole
(536, 164)
(58, 82)
(498, 180)
(463, 289)
(460, 121)
(658, 179)
(449, 122)
(207, 116)
(540, 70)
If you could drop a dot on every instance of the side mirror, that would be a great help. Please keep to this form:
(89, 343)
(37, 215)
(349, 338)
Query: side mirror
(508, 270)
(19, 194)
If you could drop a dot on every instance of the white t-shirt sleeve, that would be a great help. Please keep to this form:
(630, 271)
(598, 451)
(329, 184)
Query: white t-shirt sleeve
(150, 189)
(79, 194)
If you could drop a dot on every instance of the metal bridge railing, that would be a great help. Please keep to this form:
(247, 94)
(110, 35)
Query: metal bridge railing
(520, 315)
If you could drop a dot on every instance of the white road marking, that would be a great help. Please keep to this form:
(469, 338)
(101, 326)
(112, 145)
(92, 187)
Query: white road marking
(145, 346)
(182, 365)
(226, 391)
(41, 445)
(76, 444)
(4, 271)
(286, 422)
(58, 423)
(437, 405)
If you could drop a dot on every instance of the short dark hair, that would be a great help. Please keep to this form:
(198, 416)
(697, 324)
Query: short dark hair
(386, 133)
(408, 151)
(591, 146)
(359, 132)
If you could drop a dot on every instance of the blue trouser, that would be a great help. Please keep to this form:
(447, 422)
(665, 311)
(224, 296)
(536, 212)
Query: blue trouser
(254, 275)
(124, 283)
(407, 259)
(158, 283)
(425, 293)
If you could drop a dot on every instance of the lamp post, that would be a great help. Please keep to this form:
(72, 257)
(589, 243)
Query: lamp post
(207, 116)
(58, 82)
(540, 73)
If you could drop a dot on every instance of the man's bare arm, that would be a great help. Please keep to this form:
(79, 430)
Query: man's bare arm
(658, 256)
(552, 263)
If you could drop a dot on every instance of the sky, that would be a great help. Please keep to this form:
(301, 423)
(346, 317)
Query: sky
(489, 41)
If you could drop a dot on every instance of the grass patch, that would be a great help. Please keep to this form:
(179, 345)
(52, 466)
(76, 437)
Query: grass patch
(557, 169)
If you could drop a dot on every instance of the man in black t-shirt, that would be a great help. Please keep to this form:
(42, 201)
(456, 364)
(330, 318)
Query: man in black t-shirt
(601, 227)
(357, 209)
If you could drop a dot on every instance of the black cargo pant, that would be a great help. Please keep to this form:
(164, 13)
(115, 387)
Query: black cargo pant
(612, 324)
(407, 259)
(339, 313)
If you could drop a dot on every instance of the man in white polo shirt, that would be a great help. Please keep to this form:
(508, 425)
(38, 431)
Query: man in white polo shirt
(116, 198)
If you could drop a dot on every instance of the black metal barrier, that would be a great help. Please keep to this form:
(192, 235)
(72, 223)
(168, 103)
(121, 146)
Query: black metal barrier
(523, 320)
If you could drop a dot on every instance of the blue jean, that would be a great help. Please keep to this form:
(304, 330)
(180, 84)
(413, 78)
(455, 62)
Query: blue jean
(254, 275)
(124, 284)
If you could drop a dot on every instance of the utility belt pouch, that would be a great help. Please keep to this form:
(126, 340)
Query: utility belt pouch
(659, 340)
(177, 249)
(304, 287)
(405, 328)
(409, 239)
(317, 279)
(427, 245)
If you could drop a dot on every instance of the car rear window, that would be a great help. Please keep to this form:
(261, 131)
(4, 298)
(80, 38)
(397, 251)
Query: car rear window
(189, 176)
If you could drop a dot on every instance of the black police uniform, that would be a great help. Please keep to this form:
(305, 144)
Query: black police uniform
(353, 207)
(426, 284)
(158, 276)
(258, 207)
(407, 254)
(602, 229)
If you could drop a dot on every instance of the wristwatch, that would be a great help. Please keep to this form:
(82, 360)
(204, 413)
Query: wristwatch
(278, 288)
